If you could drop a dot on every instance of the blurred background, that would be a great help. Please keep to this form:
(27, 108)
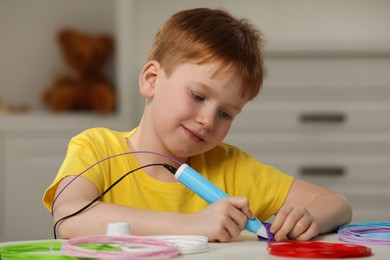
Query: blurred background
(323, 114)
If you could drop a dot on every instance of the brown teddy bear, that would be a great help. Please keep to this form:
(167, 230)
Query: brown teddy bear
(83, 86)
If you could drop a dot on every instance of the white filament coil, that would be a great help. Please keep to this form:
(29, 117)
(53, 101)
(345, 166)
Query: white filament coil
(188, 244)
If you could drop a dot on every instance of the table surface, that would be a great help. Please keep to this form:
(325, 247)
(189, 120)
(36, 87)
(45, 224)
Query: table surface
(248, 247)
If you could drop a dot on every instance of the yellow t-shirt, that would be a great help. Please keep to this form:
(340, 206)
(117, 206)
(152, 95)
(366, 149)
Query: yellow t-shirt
(232, 170)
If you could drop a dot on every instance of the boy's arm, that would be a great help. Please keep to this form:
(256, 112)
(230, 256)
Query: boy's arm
(220, 221)
(310, 210)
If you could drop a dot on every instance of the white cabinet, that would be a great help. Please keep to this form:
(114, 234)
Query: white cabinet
(326, 119)
(324, 112)
(31, 163)
(32, 148)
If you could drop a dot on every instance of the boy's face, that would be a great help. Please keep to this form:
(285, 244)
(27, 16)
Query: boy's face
(191, 111)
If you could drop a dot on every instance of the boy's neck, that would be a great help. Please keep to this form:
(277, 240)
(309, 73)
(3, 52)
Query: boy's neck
(135, 143)
(158, 173)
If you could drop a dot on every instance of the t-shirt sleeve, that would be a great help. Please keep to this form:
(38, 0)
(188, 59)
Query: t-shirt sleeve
(80, 160)
(265, 186)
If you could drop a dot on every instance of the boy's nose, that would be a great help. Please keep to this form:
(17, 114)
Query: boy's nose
(206, 118)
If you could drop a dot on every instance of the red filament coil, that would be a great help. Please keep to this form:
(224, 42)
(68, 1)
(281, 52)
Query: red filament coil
(315, 249)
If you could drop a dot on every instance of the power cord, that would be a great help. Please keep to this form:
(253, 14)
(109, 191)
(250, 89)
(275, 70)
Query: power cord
(109, 158)
(165, 165)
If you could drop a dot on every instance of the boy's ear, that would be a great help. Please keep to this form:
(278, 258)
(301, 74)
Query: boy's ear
(148, 77)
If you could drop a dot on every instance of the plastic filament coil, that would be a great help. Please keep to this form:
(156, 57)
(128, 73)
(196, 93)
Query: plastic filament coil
(317, 249)
(188, 244)
(374, 233)
(131, 247)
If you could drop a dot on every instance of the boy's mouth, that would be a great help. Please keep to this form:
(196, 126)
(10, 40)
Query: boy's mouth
(192, 135)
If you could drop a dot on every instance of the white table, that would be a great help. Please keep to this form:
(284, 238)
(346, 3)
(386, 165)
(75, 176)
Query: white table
(247, 247)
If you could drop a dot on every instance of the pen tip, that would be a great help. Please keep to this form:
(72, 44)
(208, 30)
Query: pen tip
(262, 232)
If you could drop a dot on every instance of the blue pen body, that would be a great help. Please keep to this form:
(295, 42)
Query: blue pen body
(210, 193)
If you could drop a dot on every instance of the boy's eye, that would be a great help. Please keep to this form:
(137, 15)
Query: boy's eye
(200, 98)
(197, 96)
(226, 115)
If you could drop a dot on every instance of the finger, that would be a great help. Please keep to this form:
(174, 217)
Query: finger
(280, 218)
(242, 204)
(289, 223)
(229, 209)
(222, 236)
(300, 226)
(238, 217)
(311, 232)
(233, 229)
(226, 229)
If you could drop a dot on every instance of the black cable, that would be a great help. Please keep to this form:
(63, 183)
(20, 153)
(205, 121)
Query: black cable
(170, 168)
(165, 165)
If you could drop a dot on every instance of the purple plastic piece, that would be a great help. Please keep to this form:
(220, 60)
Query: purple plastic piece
(270, 235)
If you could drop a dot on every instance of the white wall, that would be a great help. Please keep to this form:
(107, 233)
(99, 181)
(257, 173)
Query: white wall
(29, 53)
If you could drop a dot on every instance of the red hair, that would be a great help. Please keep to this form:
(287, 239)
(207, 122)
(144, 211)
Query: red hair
(201, 35)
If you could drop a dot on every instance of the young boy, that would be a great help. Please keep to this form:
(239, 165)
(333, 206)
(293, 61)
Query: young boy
(204, 66)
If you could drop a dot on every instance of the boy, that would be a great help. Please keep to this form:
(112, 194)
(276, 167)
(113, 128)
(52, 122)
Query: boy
(204, 66)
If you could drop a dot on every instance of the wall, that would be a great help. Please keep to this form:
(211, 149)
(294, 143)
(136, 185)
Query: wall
(29, 52)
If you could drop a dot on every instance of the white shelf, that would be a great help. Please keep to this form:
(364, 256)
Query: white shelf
(47, 122)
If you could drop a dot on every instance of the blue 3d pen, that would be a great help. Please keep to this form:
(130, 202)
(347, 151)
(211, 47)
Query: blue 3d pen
(211, 193)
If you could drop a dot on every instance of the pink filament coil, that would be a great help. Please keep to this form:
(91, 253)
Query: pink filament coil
(132, 247)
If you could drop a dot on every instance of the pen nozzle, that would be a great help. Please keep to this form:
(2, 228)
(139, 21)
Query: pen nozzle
(263, 234)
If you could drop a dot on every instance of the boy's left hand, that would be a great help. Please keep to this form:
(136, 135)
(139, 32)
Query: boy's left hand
(294, 222)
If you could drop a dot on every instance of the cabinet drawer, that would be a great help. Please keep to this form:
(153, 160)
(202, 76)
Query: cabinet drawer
(335, 77)
(337, 170)
(321, 114)
(305, 143)
(364, 180)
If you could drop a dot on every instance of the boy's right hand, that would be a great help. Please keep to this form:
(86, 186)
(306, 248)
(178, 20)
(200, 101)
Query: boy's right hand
(223, 220)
